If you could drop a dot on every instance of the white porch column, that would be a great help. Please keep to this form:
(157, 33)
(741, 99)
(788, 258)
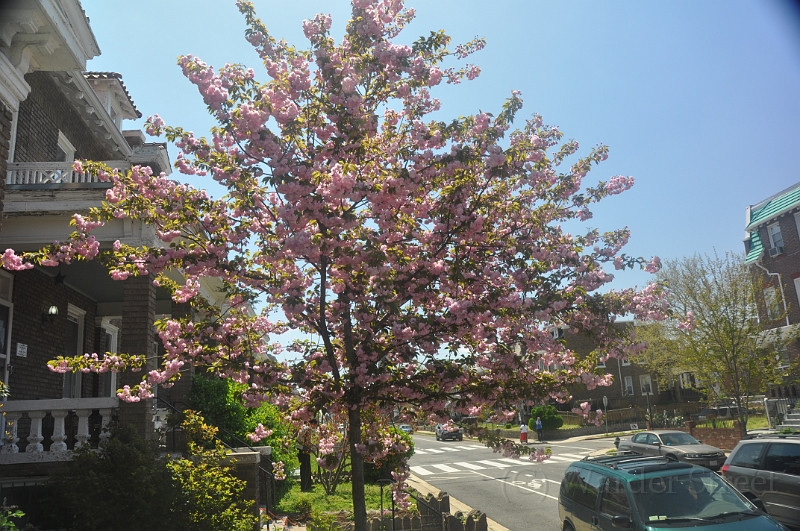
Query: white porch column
(59, 433)
(83, 435)
(10, 438)
(35, 437)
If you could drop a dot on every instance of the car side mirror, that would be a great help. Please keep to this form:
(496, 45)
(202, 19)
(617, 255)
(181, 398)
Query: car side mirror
(759, 504)
(656, 444)
(621, 521)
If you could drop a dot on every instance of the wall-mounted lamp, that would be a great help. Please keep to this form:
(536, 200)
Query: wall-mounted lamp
(49, 316)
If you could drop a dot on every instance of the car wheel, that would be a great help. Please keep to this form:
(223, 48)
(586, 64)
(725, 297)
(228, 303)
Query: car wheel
(438, 438)
(567, 527)
(460, 437)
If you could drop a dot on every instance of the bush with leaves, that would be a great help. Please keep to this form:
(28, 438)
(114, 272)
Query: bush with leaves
(400, 449)
(220, 403)
(551, 419)
(212, 494)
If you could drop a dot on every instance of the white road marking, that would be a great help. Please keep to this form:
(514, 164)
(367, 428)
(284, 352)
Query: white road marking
(515, 484)
(433, 451)
(470, 466)
(495, 464)
(446, 468)
(450, 449)
(418, 470)
(575, 456)
(523, 462)
(418, 451)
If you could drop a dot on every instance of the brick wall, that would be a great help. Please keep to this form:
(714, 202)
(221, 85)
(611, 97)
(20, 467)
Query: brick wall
(137, 337)
(33, 292)
(44, 112)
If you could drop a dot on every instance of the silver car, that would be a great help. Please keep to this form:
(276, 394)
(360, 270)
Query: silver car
(677, 445)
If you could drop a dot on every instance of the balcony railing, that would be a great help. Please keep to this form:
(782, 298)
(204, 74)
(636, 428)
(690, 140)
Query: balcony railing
(54, 427)
(58, 174)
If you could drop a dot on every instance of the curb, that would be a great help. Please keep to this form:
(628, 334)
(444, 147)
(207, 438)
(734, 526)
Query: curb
(424, 488)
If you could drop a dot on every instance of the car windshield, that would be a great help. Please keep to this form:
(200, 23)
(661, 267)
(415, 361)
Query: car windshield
(678, 439)
(665, 501)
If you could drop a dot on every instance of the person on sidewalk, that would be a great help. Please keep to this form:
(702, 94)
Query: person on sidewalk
(539, 430)
(305, 446)
(523, 433)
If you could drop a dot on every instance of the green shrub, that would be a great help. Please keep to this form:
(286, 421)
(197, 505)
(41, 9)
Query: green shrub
(551, 419)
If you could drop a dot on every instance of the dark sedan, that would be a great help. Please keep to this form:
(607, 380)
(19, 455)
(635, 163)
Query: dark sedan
(677, 445)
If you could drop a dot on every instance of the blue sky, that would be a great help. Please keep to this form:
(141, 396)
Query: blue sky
(698, 100)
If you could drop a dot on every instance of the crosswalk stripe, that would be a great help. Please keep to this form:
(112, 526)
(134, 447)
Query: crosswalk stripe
(445, 468)
(431, 450)
(449, 449)
(465, 447)
(559, 458)
(470, 466)
(418, 451)
(420, 471)
(495, 464)
(574, 456)
(521, 461)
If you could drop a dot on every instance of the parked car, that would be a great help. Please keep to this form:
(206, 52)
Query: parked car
(676, 445)
(645, 493)
(406, 428)
(767, 467)
(448, 431)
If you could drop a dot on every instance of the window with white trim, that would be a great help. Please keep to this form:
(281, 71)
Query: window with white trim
(771, 303)
(108, 380)
(72, 347)
(625, 362)
(601, 364)
(65, 151)
(645, 384)
(775, 237)
(629, 385)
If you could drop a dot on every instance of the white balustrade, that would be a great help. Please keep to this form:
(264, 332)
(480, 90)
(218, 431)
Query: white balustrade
(27, 173)
(59, 409)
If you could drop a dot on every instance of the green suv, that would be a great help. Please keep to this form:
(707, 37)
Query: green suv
(632, 491)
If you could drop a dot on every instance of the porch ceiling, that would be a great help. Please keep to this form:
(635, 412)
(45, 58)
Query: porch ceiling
(92, 280)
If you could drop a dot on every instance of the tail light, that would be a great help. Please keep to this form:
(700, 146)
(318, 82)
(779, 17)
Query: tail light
(724, 469)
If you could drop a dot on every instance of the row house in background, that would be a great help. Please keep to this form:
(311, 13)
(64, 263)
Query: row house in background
(772, 244)
(51, 112)
(633, 385)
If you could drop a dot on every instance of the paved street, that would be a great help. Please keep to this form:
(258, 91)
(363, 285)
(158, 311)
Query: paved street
(516, 493)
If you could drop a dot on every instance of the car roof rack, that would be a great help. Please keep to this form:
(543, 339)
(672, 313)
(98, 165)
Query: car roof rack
(773, 435)
(613, 461)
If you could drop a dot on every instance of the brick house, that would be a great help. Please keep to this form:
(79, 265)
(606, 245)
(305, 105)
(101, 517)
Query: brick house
(51, 112)
(633, 385)
(772, 244)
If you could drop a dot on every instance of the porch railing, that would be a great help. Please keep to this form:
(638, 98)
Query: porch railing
(34, 412)
(52, 173)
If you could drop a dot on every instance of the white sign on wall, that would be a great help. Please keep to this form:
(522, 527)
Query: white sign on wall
(22, 350)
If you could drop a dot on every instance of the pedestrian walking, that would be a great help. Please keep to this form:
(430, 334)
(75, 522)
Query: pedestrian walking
(523, 433)
(305, 447)
(539, 430)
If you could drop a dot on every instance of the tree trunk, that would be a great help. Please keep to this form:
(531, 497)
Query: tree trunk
(357, 468)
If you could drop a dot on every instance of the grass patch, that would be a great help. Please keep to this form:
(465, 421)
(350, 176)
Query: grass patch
(299, 503)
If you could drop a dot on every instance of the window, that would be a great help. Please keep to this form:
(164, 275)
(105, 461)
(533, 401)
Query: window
(771, 303)
(65, 151)
(72, 347)
(614, 501)
(783, 458)
(601, 364)
(586, 487)
(629, 385)
(640, 438)
(108, 380)
(625, 362)
(645, 384)
(749, 455)
(775, 238)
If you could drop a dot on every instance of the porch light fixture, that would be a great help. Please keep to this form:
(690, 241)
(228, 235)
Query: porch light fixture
(49, 316)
